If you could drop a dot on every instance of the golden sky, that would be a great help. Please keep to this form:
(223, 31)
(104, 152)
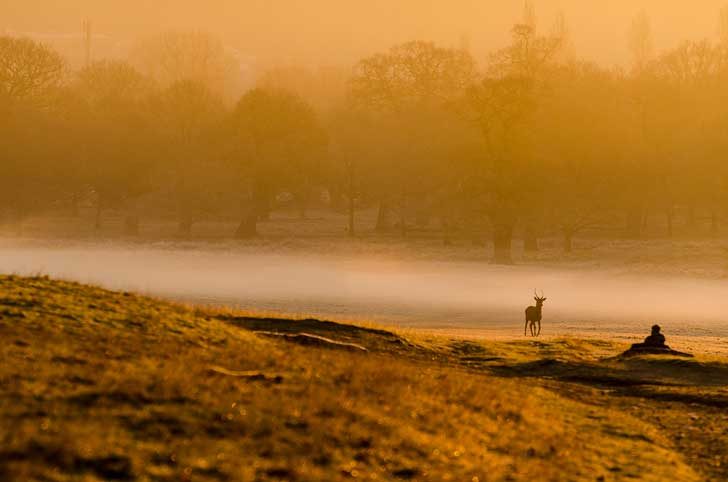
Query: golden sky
(334, 31)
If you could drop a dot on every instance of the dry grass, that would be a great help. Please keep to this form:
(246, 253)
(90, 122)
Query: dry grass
(97, 385)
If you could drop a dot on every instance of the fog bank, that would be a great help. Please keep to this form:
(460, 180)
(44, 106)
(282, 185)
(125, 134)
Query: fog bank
(418, 294)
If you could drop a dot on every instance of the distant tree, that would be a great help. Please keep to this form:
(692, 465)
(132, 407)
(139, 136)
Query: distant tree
(410, 86)
(723, 26)
(174, 57)
(29, 71)
(410, 74)
(31, 75)
(640, 42)
(567, 49)
(640, 95)
(577, 148)
(188, 117)
(690, 110)
(502, 105)
(325, 88)
(116, 144)
(351, 141)
(276, 140)
(27, 140)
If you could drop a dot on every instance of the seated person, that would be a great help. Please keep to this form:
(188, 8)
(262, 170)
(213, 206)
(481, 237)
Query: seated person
(654, 345)
(655, 340)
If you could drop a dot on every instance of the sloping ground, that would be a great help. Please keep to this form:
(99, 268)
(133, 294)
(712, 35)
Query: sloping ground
(97, 385)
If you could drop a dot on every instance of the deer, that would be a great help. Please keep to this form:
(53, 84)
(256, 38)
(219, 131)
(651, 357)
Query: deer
(533, 315)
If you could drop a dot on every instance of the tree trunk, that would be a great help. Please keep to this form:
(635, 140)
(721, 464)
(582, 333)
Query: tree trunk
(248, 227)
(422, 218)
(502, 240)
(302, 202)
(530, 239)
(262, 201)
(634, 222)
(131, 222)
(383, 221)
(352, 206)
(97, 219)
(403, 214)
(185, 225)
(19, 218)
(131, 225)
(691, 216)
(477, 237)
(568, 241)
(74, 204)
(336, 199)
(446, 239)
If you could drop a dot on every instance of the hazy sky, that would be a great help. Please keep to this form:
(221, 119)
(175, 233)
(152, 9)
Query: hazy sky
(333, 31)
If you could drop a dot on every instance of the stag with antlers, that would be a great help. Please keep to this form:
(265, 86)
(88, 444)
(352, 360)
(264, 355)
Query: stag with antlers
(533, 315)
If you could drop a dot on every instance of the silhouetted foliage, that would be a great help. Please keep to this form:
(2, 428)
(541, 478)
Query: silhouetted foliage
(530, 141)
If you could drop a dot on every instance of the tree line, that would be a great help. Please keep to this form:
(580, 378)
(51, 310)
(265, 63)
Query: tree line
(528, 142)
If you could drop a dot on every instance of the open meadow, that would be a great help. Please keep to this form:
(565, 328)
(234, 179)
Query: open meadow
(101, 385)
(393, 240)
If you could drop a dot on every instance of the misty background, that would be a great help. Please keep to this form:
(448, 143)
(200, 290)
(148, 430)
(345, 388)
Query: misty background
(428, 126)
(316, 33)
(426, 294)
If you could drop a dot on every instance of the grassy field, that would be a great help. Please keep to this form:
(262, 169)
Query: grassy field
(100, 385)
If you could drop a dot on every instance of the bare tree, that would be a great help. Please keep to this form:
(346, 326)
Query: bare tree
(29, 71)
(640, 42)
(501, 105)
(412, 73)
(723, 26)
(408, 86)
(188, 114)
(276, 137)
(115, 146)
(180, 56)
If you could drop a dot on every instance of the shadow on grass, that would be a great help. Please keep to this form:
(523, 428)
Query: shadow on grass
(371, 338)
(662, 379)
(107, 467)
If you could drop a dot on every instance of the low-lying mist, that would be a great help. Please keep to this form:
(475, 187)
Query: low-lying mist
(416, 294)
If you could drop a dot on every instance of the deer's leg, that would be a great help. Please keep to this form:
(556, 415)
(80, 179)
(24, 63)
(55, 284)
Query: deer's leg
(539, 327)
(525, 328)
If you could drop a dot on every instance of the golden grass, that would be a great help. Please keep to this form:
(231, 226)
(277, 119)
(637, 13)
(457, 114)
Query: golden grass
(97, 385)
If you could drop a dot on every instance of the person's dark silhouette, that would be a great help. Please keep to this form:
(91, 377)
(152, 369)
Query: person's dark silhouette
(653, 345)
(655, 340)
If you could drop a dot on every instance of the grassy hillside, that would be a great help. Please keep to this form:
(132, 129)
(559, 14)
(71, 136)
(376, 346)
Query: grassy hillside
(97, 385)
